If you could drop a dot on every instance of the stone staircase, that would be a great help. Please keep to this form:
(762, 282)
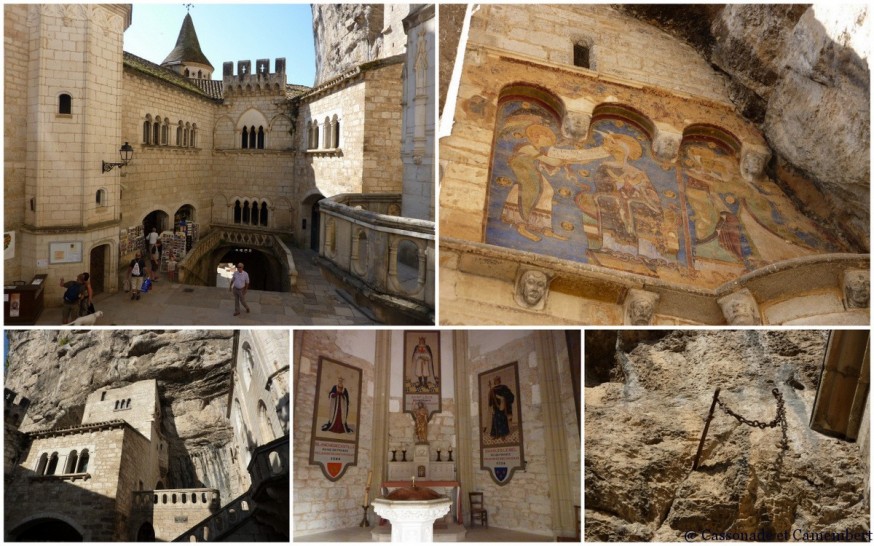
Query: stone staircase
(264, 507)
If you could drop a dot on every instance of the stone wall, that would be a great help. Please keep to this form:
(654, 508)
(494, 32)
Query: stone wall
(383, 167)
(522, 504)
(319, 504)
(616, 41)
(172, 512)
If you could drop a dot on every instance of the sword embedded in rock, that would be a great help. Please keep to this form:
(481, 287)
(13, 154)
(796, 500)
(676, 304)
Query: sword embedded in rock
(706, 426)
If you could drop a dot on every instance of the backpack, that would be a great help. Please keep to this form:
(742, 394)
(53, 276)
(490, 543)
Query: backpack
(72, 293)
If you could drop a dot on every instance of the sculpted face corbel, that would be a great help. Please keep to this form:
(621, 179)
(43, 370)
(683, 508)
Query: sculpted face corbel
(532, 288)
(577, 119)
(753, 160)
(857, 288)
(666, 143)
(740, 308)
(640, 307)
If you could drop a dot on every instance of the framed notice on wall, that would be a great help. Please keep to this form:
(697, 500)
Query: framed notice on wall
(334, 442)
(69, 252)
(501, 446)
(422, 381)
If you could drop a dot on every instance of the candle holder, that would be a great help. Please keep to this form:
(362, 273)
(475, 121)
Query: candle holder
(404, 455)
(364, 522)
(450, 455)
(438, 456)
(394, 453)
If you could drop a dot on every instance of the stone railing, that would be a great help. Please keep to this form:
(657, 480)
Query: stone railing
(191, 270)
(219, 524)
(269, 462)
(390, 254)
(195, 497)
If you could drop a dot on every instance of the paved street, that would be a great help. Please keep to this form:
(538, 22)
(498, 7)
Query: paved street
(313, 302)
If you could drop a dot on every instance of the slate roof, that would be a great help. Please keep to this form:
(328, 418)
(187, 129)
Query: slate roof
(187, 48)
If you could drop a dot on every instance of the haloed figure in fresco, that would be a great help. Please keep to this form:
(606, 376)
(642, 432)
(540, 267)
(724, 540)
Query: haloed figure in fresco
(423, 364)
(339, 397)
(501, 404)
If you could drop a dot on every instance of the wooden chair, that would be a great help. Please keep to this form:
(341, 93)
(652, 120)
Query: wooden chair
(477, 509)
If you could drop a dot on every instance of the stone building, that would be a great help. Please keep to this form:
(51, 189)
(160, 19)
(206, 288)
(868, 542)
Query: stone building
(135, 467)
(218, 165)
(355, 436)
(651, 165)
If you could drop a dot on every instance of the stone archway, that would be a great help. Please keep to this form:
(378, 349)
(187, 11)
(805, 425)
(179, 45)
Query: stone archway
(157, 219)
(146, 533)
(46, 530)
(99, 268)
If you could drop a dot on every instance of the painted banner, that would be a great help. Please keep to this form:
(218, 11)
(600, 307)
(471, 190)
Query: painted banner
(422, 372)
(501, 446)
(334, 441)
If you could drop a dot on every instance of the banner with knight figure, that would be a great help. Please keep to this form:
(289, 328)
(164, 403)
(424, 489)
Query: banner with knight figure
(500, 415)
(422, 372)
(334, 440)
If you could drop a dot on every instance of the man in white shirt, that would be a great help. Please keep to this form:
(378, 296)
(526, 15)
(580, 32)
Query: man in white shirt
(239, 286)
(153, 241)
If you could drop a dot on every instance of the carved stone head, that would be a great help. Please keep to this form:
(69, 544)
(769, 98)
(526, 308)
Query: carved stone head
(857, 288)
(640, 307)
(531, 289)
(575, 125)
(740, 308)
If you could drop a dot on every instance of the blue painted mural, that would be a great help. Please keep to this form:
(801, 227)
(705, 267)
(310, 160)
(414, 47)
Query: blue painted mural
(609, 202)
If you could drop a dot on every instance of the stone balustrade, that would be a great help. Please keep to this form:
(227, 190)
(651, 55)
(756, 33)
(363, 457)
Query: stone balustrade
(269, 462)
(216, 525)
(194, 497)
(363, 237)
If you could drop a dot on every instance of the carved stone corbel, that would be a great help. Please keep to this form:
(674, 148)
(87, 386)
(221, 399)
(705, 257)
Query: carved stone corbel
(740, 308)
(640, 307)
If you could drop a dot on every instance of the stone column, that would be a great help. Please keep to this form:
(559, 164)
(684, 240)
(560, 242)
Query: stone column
(557, 464)
(843, 388)
(464, 427)
(381, 378)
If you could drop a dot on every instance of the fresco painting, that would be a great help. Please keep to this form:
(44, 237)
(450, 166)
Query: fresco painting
(608, 201)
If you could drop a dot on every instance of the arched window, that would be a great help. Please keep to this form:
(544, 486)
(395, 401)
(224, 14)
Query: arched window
(179, 134)
(255, 213)
(100, 197)
(260, 138)
(264, 423)
(117, 402)
(165, 132)
(335, 132)
(156, 132)
(315, 135)
(186, 133)
(147, 130)
(53, 464)
(65, 104)
(41, 464)
(248, 365)
(252, 138)
(194, 135)
(127, 405)
(245, 212)
(200, 74)
(83, 462)
(238, 212)
(264, 213)
(245, 143)
(187, 73)
(72, 459)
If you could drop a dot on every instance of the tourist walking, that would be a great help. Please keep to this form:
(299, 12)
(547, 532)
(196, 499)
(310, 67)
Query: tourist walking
(136, 272)
(86, 305)
(239, 286)
(75, 291)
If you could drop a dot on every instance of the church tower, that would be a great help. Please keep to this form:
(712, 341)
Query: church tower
(187, 59)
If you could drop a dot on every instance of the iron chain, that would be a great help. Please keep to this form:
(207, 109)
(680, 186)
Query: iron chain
(780, 419)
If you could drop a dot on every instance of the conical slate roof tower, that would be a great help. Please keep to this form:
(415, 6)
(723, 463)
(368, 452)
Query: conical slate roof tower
(187, 59)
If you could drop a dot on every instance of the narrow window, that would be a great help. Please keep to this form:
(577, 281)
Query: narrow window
(315, 135)
(245, 212)
(327, 143)
(101, 201)
(255, 213)
(103, 396)
(165, 132)
(41, 465)
(194, 136)
(335, 133)
(264, 213)
(252, 137)
(116, 404)
(157, 134)
(147, 130)
(186, 136)
(72, 458)
(83, 462)
(128, 403)
(53, 464)
(179, 134)
(238, 213)
(260, 138)
(65, 104)
(187, 73)
(581, 55)
(245, 138)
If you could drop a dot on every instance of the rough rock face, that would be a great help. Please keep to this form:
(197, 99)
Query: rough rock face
(801, 74)
(346, 35)
(58, 370)
(642, 434)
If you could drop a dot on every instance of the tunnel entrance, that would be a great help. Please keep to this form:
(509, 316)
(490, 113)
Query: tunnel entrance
(46, 530)
(265, 271)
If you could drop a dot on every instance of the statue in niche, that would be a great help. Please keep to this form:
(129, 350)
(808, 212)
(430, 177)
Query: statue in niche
(740, 308)
(640, 307)
(531, 289)
(857, 290)
(421, 420)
